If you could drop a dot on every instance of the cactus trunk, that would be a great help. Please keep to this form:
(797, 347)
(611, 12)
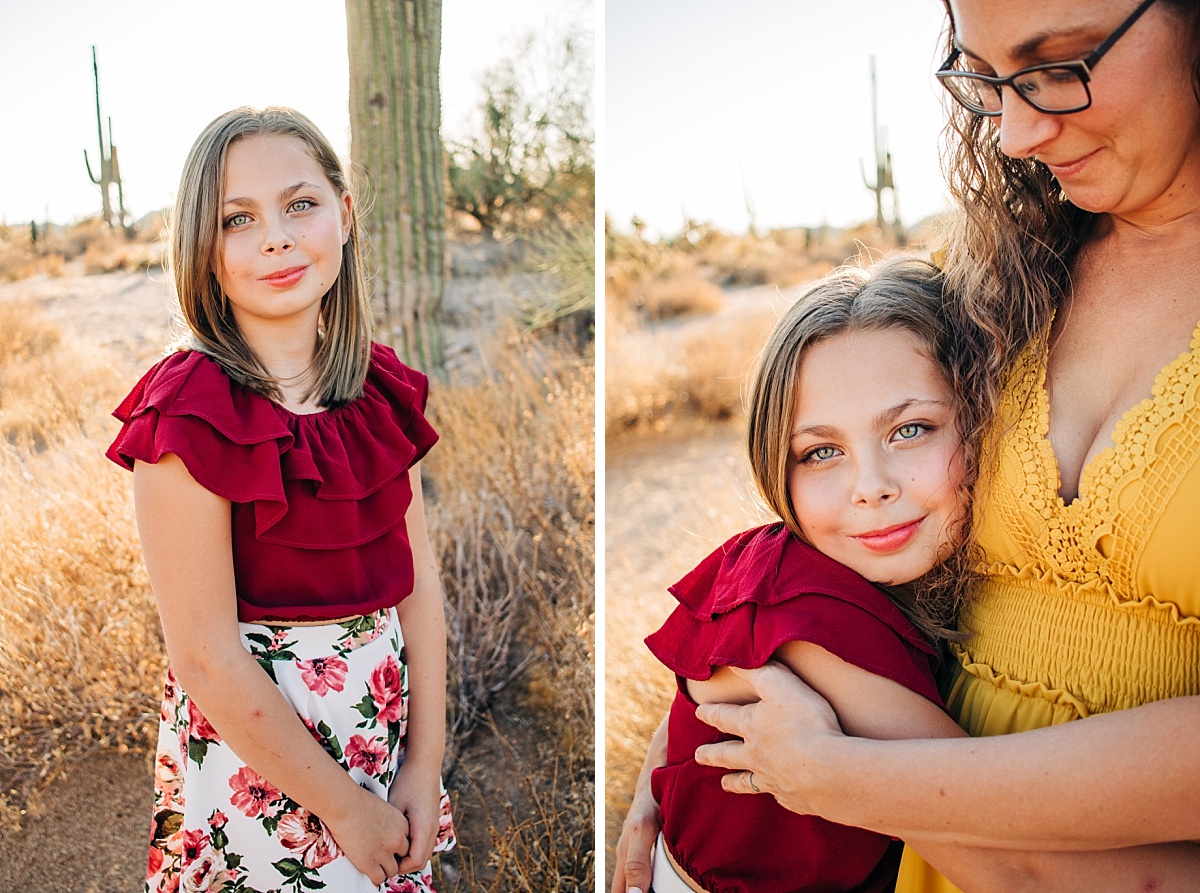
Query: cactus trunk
(395, 117)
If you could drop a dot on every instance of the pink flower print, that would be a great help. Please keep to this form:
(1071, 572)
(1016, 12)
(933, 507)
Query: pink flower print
(166, 775)
(218, 820)
(253, 794)
(371, 756)
(170, 699)
(195, 842)
(198, 724)
(385, 689)
(445, 826)
(323, 674)
(303, 833)
(155, 863)
(403, 884)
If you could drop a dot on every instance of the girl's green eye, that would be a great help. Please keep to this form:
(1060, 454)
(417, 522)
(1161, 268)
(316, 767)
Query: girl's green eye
(818, 454)
(908, 432)
(302, 204)
(236, 220)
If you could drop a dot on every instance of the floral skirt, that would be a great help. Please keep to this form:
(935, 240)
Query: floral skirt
(220, 826)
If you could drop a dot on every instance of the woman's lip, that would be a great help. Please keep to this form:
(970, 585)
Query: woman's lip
(889, 539)
(285, 278)
(1071, 167)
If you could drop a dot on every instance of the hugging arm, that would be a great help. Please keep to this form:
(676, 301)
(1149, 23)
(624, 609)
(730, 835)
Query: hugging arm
(186, 538)
(1081, 786)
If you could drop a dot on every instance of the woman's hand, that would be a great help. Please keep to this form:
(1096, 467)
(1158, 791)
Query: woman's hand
(373, 834)
(417, 793)
(780, 735)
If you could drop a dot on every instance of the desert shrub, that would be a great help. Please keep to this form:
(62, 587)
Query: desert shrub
(682, 296)
(100, 249)
(532, 154)
(565, 256)
(653, 375)
(512, 518)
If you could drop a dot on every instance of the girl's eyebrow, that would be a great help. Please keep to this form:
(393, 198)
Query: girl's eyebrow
(884, 418)
(287, 193)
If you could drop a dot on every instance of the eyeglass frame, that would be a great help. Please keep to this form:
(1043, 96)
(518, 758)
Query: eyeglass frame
(1081, 67)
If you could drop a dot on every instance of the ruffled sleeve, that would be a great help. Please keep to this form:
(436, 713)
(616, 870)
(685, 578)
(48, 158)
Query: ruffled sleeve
(328, 480)
(230, 439)
(764, 588)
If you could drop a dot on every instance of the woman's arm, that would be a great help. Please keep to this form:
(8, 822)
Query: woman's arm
(416, 790)
(633, 870)
(869, 706)
(187, 543)
(1119, 779)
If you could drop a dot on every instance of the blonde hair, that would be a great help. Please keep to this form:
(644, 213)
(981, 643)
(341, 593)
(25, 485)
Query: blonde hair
(905, 294)
(343, 351)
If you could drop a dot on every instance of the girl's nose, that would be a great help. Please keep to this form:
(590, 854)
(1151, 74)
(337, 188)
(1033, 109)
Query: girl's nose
(875, 485)
(1024, 129)
(277, 240)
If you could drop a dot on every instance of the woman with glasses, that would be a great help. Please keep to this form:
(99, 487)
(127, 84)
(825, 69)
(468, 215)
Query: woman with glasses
(1074, 155)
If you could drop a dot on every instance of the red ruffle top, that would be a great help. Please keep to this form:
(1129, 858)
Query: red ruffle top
(761, 589)
(317, 501)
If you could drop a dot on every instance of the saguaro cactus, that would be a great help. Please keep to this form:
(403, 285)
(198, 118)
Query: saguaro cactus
(884, 178)
(395, 120)
(110, 171)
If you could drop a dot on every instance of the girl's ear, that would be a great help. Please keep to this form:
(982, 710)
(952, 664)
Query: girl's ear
(347, 215)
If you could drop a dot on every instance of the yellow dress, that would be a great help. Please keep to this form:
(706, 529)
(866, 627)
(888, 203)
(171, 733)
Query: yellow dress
(1089, 606)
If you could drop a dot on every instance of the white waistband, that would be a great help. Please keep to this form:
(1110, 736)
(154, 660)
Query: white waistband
(666, 879)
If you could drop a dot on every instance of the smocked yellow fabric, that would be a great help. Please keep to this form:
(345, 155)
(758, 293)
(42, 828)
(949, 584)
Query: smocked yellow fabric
(1092, 605)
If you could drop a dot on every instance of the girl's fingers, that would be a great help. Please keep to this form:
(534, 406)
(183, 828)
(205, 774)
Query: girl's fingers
(423, 836)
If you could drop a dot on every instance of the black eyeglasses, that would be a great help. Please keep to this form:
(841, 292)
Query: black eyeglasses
(1057, 88)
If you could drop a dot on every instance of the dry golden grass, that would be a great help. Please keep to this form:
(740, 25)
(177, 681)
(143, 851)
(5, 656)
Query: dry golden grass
(51, 385)
(680, 296)
(653, 375)
(80, 649)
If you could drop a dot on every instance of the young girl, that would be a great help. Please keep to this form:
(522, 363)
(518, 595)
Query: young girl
(278, 494)
(853, 444)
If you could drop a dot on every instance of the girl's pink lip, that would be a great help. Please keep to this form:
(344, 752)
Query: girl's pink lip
(285, 278)
(889, 539)
(1071, 167)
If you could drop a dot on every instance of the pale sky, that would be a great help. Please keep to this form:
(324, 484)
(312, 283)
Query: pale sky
(708, 101)
(168, 68)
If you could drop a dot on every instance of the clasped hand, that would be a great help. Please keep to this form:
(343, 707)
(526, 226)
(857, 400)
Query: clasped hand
(781, 737)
